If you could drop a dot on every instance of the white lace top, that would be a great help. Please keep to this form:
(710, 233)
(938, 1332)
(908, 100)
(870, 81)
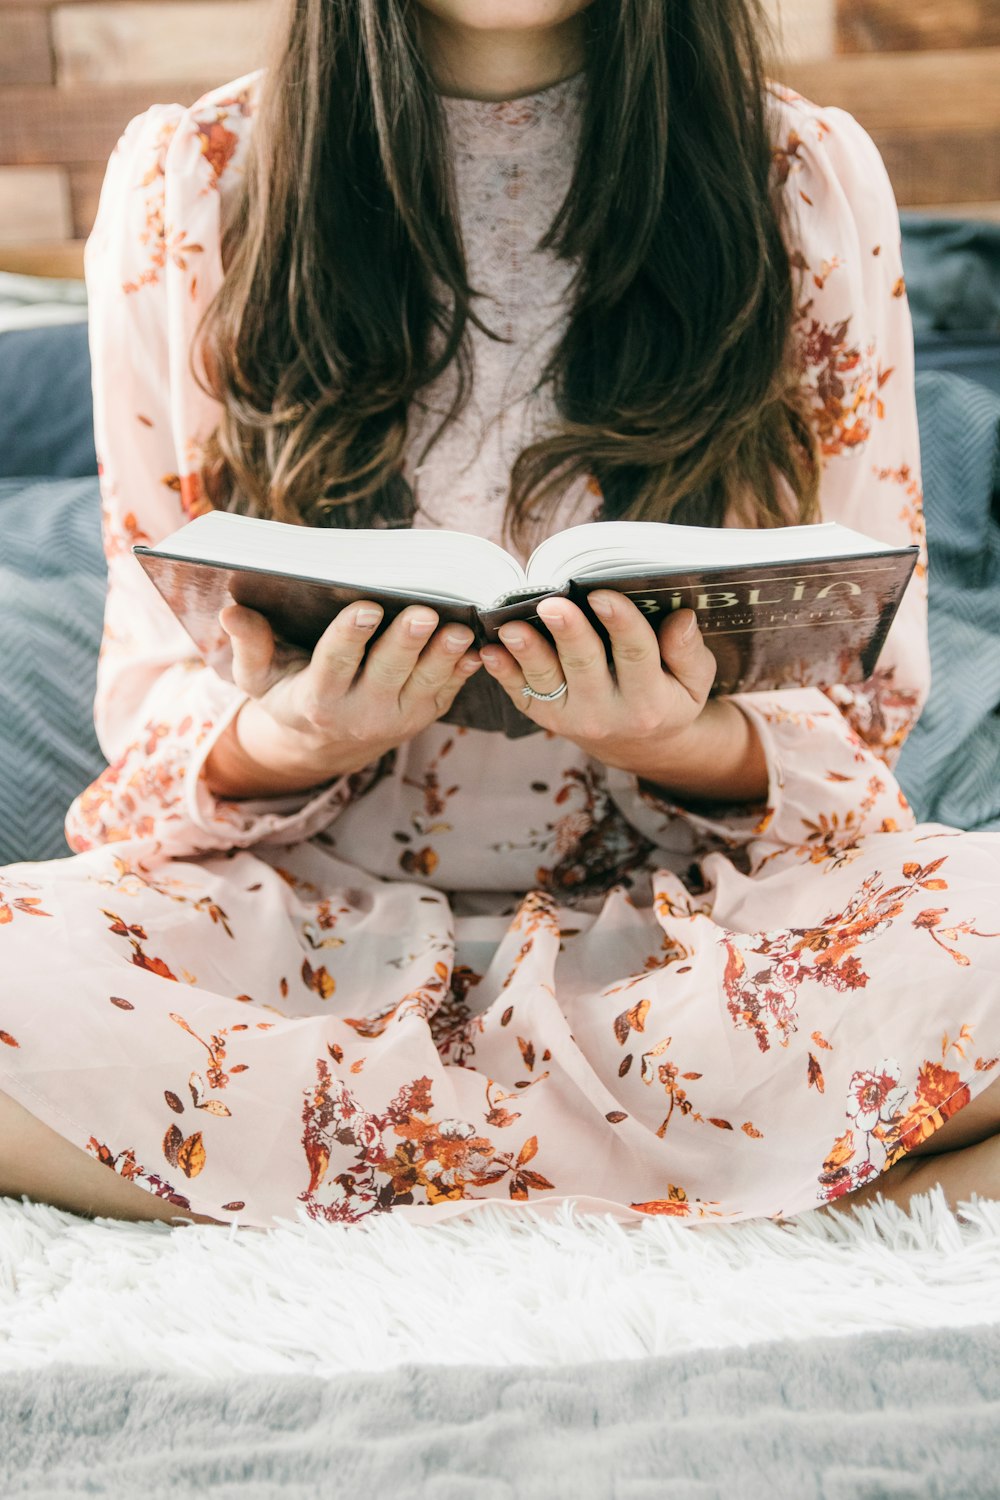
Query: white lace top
(513, 164)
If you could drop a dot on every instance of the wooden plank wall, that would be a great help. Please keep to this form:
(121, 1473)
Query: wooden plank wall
(922, 75)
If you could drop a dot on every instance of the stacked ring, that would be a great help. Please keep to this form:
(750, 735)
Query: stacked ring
(529, 692)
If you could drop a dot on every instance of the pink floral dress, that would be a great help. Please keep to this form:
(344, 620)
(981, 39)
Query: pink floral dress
(489, 970)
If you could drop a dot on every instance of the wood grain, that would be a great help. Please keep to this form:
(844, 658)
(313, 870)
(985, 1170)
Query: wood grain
(988, 213)
(25, 52)
(39, 126)
(84, 194)
(901, 90)
(131, 41)
(941, 166)
(891, 26)
(34, 204)
(44, 258)
(923, 76)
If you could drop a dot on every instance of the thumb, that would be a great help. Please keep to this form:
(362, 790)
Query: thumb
(684, 653)
(253, 647)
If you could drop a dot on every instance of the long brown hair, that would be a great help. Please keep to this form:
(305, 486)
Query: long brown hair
(676, 380)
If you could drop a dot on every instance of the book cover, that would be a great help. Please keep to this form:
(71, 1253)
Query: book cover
(787, 624)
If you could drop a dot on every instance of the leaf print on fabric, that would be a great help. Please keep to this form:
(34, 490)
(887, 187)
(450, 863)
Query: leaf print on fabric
(318, 930)
(121, 530)
(930, 922)
(593, 845)
(29, 906)
(672, 951)
(452, 1024)
(844, 387)
(912, 508)
(124, 1163)
(218, 145)
(761, 995)
(633, 1019)
(433, 1162)
(429, 819)
(496, 1114)
(152, 235)
(653, 1070)
(134, 933)
(188, 1153)
(188, 486)
(218, 1077)
(317, 980)
(521, 1179)
(590, 844)
(875, 1105)
(788, 158)
(677, 1205)
(881, 712)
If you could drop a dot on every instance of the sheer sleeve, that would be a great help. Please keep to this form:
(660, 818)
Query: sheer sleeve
(829, 752)
(150, 263)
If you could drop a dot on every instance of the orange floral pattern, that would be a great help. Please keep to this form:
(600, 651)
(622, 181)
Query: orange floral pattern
(484, 970)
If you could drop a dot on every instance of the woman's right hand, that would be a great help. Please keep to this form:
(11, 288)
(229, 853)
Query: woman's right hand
(310, 719)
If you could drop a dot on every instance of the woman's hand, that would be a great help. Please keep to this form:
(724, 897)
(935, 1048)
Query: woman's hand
(652, 716)
(312, 718)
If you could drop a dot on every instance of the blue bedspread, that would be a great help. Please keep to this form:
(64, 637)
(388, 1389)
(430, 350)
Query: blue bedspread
(950, 765)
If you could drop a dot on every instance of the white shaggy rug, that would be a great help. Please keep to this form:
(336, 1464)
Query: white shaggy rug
(498, 1288)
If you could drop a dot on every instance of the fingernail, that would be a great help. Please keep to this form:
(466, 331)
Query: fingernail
(490, 657)
(469, 666)
(511, 637)
(456, 640)
(366, 615)
(420, 624)
(601, 605)
(551, 611)
(690, 627)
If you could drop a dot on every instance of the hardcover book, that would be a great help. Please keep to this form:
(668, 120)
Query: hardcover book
(791, 606)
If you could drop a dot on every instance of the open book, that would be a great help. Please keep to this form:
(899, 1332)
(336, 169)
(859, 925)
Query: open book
(789, 606)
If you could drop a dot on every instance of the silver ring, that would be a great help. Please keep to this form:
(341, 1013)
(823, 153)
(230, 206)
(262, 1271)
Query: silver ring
(529, 692)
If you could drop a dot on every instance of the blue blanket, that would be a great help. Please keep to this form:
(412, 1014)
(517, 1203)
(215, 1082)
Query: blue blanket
(911, 1415)
(950, 765)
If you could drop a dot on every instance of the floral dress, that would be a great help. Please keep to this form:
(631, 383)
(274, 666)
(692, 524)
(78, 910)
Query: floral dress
(491, 970)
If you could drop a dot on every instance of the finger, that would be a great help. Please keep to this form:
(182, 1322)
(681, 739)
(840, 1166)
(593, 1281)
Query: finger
(502, 666)
(340, 650)
(634, 646)
(252, 641)
(582, 656)
(441, 668)
(537, 659)
(683, 650)
(392, 658)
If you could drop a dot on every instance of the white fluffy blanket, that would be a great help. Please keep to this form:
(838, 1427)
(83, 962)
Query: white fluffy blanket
(499, 1288)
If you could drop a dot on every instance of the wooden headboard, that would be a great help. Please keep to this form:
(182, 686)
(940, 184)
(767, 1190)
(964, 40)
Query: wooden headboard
(923, 76)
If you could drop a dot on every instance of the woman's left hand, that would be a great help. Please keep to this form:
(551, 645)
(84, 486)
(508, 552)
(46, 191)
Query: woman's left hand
(629, 718)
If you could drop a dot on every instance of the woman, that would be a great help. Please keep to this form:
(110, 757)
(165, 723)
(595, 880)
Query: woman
(499, 268)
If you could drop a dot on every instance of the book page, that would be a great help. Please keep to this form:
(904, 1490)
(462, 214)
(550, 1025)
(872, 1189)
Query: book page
(449, 565)
(600, 548)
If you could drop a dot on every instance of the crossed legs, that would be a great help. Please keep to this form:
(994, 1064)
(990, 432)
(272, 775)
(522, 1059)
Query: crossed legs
(963, 1156)
(35, 1161)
